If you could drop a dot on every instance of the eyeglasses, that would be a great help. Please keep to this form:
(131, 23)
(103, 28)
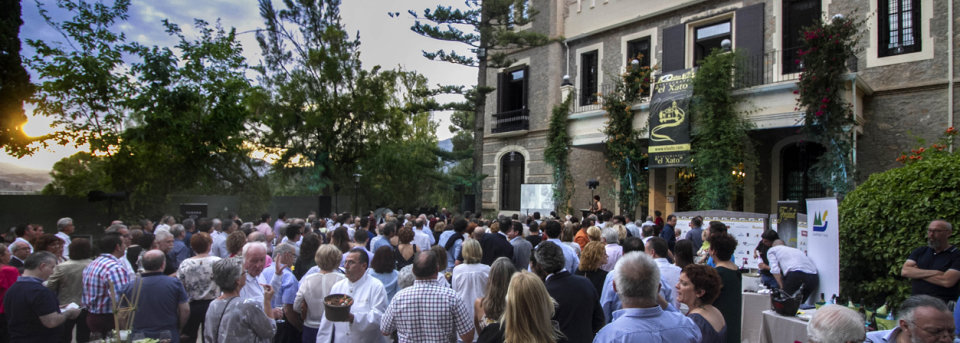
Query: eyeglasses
(933, 331)
(937, 230)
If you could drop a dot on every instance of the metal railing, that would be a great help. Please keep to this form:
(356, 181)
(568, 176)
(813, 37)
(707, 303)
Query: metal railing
(515, 120)
(764, 69)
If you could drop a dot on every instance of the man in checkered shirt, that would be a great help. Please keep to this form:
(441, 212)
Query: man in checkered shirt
(96, 282)
(427, 311)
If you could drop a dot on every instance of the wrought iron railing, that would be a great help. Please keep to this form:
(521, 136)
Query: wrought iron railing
(515, 120)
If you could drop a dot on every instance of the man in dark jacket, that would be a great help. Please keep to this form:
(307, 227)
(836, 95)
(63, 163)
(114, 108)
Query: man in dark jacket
(578, 312)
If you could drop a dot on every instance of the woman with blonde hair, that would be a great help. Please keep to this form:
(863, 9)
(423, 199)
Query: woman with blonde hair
(594, 256)
(526, 317)
(314, 287)
(489, 309)
(470, 278)
(594, 233)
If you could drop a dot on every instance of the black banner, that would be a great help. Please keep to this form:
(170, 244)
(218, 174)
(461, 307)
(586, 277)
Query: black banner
(670, 120)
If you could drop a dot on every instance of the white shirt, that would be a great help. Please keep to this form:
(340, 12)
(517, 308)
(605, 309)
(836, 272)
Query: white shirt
(66, 244)
(614, 252)
(787, 259)
(426, 231)
(253, 289)
(369, 304)
(469, 281)
(421, 240)
(669, 273)
(313, 288)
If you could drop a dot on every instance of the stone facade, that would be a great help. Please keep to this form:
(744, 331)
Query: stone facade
(897, 99)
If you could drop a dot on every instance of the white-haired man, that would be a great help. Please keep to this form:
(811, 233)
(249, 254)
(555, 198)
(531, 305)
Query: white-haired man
(254, 259)
(64, 229)
(836, 324)
(637, 282)
(920, 319)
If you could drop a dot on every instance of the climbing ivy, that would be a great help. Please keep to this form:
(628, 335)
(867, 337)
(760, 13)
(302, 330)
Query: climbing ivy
(557, 154)
(625, 153)
(720, 137)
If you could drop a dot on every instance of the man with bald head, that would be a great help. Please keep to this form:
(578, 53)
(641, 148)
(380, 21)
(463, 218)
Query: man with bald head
(427, 299)
(254, 260)
(161, 301)
(934, 269)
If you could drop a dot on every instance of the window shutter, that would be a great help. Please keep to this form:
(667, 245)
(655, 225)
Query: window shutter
(501, 92)
(674, 47)
(749, 30)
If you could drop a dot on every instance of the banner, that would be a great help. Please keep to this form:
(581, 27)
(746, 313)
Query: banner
(823, 243)
(669, 124)
(747, 231)
(787, 222)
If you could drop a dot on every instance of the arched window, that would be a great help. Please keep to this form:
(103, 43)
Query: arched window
(511, 176)
(796, 180)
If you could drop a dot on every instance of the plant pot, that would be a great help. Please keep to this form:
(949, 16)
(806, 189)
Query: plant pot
(336, 307)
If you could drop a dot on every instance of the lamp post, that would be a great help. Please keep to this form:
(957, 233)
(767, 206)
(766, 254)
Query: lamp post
(356, 193)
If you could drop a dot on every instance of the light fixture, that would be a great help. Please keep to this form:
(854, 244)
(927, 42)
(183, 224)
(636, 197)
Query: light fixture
(725, 44)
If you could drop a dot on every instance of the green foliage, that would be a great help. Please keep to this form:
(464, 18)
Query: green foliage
(557, 154)
(77, 175)
(15, 86)
(719, 133)
(625, 152)
(83, 82)
(320, 106)
(884, 219)
(824, 52)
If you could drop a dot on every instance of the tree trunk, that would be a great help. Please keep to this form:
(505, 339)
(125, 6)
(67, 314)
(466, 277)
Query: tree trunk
(478, 116)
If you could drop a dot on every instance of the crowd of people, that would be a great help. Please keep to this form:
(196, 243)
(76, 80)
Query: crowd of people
(408, 278)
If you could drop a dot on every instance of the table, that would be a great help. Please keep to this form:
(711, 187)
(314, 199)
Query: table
(752, 315)
(779, 329)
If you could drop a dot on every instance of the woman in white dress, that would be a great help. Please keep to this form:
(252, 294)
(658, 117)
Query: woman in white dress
(470, 278)
(314, 287)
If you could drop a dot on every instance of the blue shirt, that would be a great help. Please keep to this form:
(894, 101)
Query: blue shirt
(157, 308)
(610, 301)
(695, 236)
(453, 252)
(389, 281)
(383, 242)
(649, 325)
(287, 290)
(571, 260)
(180, 252)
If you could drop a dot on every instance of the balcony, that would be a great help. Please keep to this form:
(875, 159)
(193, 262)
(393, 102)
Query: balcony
(516, 120)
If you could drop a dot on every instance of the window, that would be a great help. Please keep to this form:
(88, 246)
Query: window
(797, 14)
(588, 78)
(511, 177)
(709, 37)
(637, 47)
(512, 114)
(899, 27)
(796, 182)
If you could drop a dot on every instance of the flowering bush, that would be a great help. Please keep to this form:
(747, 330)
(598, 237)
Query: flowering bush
(827, 117)
(941, 147)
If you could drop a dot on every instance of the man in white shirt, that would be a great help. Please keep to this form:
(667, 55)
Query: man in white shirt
(797, 269)
(656, 247)
(369, 304)
(64, 229)
(420, 226)
(26, 233)
(254, 259)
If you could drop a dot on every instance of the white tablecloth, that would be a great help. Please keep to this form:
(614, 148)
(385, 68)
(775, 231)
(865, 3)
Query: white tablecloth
(779, 329)
(753, 306)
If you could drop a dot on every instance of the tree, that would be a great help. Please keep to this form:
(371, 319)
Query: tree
(83, 79)
(320, 107)
(15, 86)
(77, 175)
(489, 29)
(188, 120)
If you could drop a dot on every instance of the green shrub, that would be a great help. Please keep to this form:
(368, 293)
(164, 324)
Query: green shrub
(885, 218)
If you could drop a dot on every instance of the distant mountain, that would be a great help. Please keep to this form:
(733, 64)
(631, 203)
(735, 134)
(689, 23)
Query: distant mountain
(17, 179)
(446, 144)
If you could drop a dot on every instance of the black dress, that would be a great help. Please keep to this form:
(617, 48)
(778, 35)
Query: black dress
(710, 335)
(596, 277)
(401, 262)
(730, 301)
(492, 333)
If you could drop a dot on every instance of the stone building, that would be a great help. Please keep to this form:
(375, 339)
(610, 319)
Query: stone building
(901, 87)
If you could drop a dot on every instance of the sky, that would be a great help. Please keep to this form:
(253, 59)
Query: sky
(385, 41)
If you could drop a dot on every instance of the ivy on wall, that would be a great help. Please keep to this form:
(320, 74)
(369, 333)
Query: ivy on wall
(827, 117)
(625, 153)
(557, 154)
(720, 137)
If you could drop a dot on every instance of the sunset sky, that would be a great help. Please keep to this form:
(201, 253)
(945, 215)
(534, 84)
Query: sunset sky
(384, 40)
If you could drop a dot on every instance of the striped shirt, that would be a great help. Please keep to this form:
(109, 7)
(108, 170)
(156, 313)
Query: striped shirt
(96, 283)
(426, 312)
